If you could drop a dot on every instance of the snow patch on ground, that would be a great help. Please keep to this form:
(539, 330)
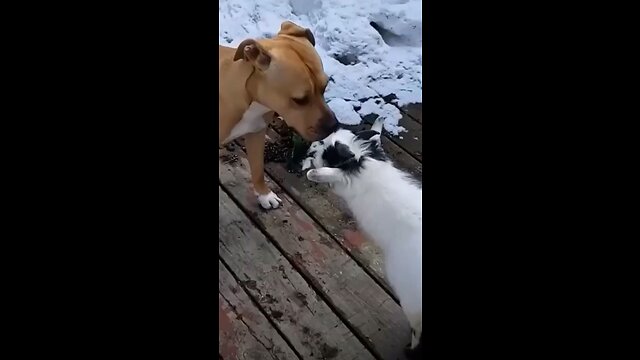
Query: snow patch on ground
(370, 49)
(388, 112)
(345, 108)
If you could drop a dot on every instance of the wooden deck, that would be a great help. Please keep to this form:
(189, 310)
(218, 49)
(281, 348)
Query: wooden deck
(300, 282)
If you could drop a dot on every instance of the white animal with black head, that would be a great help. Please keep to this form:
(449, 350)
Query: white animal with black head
(387, 205)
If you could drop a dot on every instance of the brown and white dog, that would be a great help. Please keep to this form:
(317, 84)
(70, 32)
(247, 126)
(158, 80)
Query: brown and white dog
(283, 74)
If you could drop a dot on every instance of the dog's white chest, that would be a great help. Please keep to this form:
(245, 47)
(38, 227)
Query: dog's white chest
(251, 122)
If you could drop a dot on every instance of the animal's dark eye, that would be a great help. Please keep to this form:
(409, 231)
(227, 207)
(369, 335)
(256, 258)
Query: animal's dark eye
(301, 101)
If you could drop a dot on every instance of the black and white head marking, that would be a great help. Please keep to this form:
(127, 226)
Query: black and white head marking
(345, 150)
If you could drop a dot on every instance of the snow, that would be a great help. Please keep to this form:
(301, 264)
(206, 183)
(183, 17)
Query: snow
(370, 49)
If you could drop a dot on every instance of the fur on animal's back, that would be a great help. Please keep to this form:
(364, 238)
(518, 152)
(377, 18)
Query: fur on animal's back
(385, 201)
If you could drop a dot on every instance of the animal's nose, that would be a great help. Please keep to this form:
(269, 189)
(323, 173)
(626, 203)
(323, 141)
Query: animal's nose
(333, 127)
(329, 124)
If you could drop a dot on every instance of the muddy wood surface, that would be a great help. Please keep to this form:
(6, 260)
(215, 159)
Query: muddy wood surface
(300, 281)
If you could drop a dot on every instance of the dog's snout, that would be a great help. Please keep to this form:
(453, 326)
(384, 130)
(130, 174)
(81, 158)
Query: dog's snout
(328, 124)
(333, 125)
(323, 127)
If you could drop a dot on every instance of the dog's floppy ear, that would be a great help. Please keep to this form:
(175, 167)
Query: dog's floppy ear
(249, 50)
(291, 29)
(325, 175)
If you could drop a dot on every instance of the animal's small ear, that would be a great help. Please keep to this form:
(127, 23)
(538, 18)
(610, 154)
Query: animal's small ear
(249, 50)
(376, 139)
(325, 175)
(366, 134)
(371, 135)
(378, 125)
(291, 29)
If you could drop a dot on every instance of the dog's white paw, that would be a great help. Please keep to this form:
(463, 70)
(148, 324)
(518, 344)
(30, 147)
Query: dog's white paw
(269, 201)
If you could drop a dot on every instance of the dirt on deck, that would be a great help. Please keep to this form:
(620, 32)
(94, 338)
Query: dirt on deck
(289, 148)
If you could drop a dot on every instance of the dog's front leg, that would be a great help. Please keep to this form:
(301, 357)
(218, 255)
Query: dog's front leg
(254, 143)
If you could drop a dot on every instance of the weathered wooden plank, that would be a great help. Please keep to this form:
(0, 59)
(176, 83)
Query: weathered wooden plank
(349, 289)
(308, 323)
(410, 140)
(235, 339)
(414, 111)
(328, 209)
(243, 331)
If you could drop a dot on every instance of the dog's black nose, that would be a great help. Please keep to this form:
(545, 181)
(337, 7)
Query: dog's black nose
(330, 124)
(334, 126)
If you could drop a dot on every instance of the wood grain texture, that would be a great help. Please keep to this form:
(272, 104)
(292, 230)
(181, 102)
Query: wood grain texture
(303, 317)
(410, 140)
(352, 293)
(243, 331)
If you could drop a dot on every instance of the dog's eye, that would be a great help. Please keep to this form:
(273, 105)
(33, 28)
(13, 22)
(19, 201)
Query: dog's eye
(301, 101)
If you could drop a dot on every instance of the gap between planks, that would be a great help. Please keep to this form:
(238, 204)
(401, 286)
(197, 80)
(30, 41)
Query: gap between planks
(410, 140)
(242, 304)
(414, 110)
(361, 304)
(306, 319)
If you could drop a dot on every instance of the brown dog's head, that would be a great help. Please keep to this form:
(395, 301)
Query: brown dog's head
(289, 79)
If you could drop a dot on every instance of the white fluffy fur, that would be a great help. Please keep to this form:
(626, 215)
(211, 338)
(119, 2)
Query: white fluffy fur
(387, 205)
